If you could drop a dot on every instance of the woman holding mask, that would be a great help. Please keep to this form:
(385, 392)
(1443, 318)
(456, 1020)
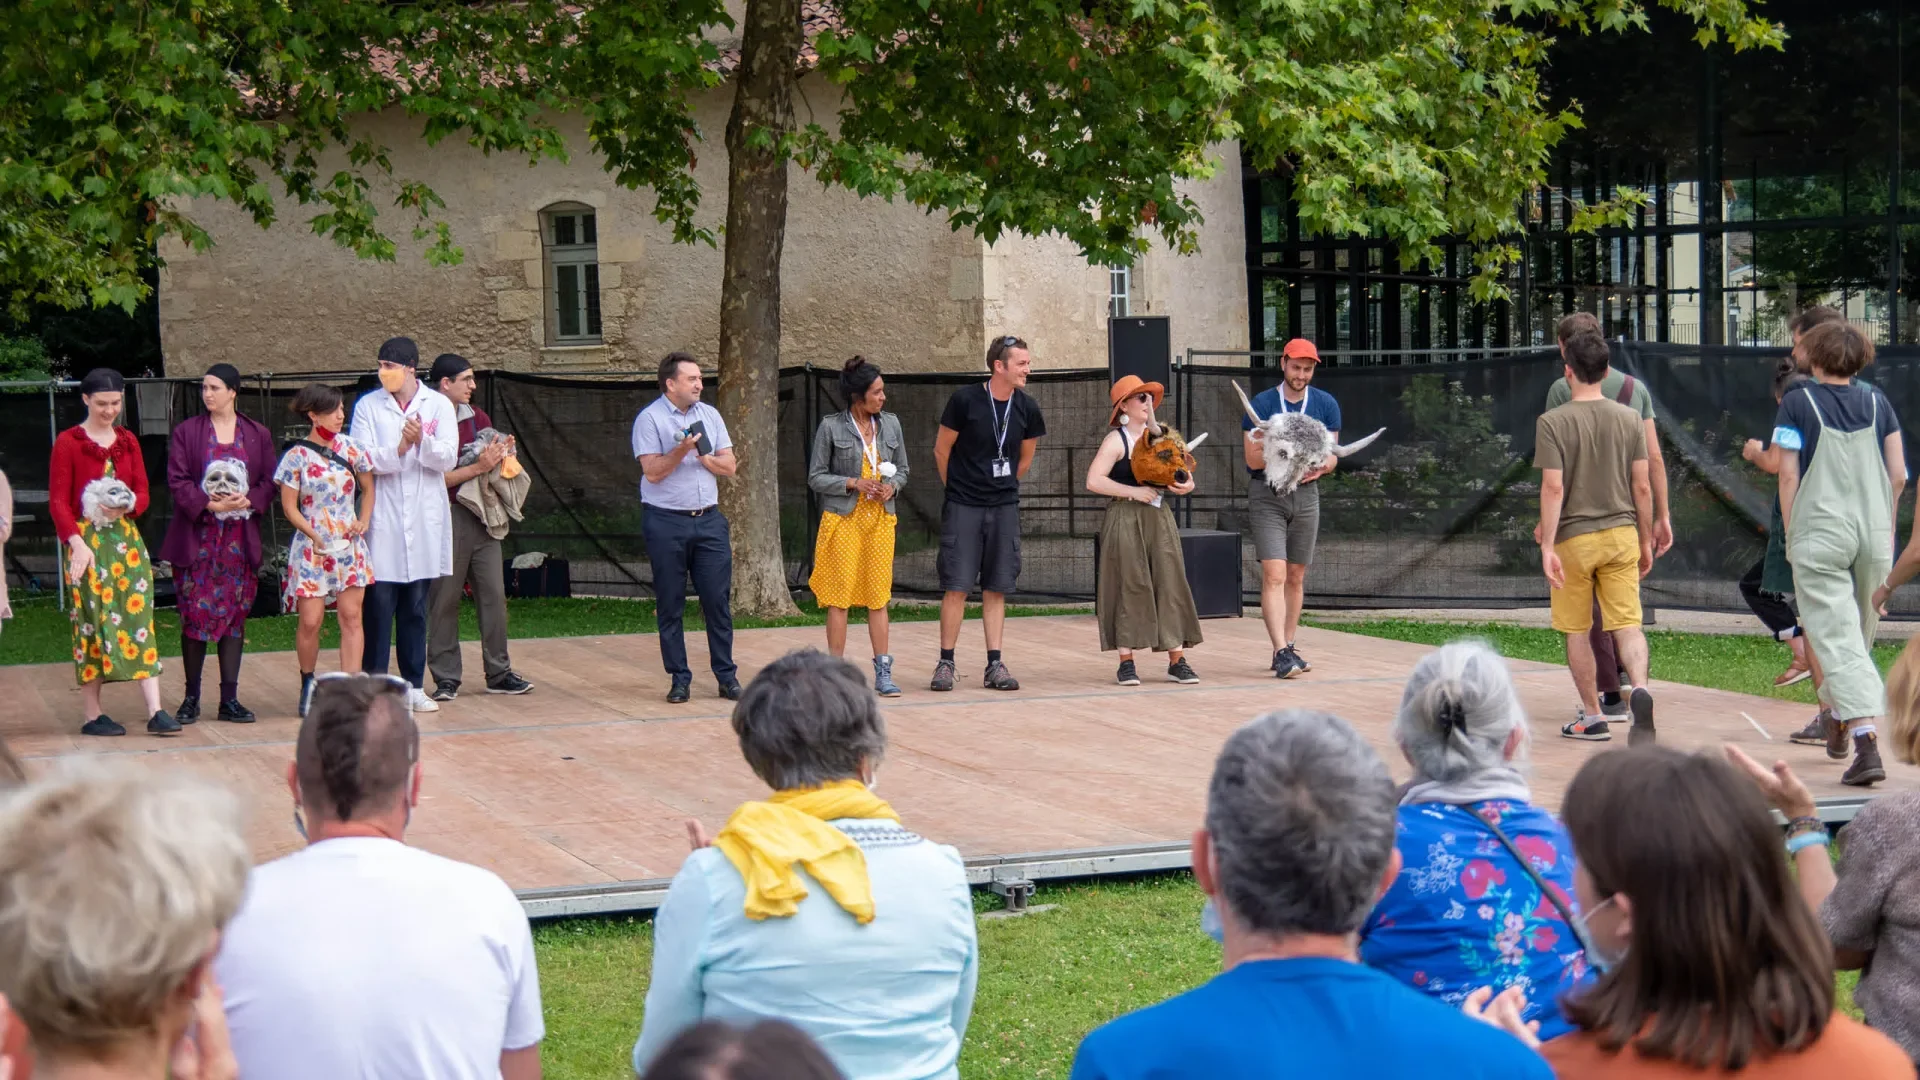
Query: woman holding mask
(213, 543)
(320, 477)
(109, 578)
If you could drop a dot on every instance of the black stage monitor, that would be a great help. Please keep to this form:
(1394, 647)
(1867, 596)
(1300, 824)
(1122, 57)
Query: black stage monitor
(1140, 345)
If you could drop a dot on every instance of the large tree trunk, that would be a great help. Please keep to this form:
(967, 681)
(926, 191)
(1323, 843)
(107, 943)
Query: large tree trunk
(750, 300)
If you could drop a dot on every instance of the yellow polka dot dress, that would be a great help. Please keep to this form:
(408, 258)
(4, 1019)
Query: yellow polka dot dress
(853, 556)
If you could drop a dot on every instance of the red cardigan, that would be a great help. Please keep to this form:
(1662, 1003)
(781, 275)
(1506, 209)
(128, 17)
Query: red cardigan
(79, 461)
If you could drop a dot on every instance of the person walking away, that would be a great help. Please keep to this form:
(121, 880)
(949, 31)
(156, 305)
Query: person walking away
(327, 494)
(1631, 392)
(857, 468)
(985, 445)
(682, 445)
(1768, 583)
(213, 543)
(1596, 533)
(1839, 479)
(1286, 527)
(477, 562)
(410, 433)
(360, 955)
(1143, 601)
(109, 576)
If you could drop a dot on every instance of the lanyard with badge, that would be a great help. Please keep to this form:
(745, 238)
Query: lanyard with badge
(869, 448)
(1002, 468)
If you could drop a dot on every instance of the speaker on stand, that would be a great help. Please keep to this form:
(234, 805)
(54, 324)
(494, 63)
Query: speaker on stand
(1140, 345)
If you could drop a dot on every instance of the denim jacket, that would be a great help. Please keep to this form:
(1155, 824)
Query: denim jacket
(836, 456)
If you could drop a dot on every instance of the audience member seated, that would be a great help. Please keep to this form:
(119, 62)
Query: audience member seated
(1871, 908)
(359, 956)
(1297, 846)
(1485, 888)
(817, 906)
(1710, 963)
(115, 882)
(768, 1050)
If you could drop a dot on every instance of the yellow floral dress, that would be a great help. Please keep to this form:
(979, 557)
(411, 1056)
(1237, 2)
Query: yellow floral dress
(112, 613)
(853, 555)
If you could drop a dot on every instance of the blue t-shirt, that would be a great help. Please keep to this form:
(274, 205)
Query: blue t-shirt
(1276, 1019)
(1319, 405)
(1462, 914)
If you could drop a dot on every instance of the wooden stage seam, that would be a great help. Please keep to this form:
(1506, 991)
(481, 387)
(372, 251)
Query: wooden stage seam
(587, 780)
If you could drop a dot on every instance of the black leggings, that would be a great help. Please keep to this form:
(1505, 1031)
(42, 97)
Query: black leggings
(193, 653)
(1773, 610)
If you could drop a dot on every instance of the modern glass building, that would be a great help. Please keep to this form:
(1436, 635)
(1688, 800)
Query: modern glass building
(1775, 180)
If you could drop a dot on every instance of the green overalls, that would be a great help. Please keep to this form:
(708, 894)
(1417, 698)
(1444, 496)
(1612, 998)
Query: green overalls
(1840, 542)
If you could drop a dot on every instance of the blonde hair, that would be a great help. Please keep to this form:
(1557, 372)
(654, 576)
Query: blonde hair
(1903, 702)
(114, 881)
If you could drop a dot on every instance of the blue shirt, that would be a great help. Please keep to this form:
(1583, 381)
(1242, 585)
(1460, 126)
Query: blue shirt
(1319, 404)
(1462, 914)
(1278, 1019)
(889, 1000)
(657, 430)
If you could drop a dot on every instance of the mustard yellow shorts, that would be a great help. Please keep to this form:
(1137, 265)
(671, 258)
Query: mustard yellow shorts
(1606, 565)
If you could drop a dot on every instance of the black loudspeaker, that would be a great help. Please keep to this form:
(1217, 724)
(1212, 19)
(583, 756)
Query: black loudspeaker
(1140, 345)
(1213, 571)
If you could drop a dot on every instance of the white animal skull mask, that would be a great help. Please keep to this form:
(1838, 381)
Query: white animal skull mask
(1295, 444)
(225, 478)
(106, 500)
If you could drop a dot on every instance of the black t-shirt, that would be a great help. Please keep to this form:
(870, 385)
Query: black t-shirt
(1844, 408)
(981, 421)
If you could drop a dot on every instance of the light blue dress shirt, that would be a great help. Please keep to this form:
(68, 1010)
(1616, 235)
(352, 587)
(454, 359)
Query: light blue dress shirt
(887, 1001)
(656, 430)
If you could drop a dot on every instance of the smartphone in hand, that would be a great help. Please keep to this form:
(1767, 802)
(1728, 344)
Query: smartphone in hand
(699, 427)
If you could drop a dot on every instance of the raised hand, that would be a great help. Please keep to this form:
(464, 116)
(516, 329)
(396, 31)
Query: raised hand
(1781, 787)
(206, 1052)
(697, 837)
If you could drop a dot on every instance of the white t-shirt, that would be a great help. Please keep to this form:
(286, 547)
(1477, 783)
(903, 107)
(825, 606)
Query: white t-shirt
(364, 958)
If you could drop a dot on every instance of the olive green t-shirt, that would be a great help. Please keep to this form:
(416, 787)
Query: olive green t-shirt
(1641, 401)
(1594, 445)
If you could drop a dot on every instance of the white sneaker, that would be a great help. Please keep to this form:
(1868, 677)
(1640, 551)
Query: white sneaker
(421, 702)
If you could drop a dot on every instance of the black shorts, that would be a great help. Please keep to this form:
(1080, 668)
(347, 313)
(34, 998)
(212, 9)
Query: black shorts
(979, 545)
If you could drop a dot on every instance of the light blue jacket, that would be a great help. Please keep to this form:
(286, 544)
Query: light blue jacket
(887, 1001)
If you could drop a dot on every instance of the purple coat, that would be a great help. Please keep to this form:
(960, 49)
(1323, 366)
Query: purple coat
(187, 464)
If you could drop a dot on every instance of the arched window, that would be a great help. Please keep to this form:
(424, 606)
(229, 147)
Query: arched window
(569, 242)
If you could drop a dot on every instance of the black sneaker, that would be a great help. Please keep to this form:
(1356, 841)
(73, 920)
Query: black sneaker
(997, 677)
(680, 692)
(1613, 704)
(1640, 704)
(162, 724)
(232, 712)
(1294, 651)
(1287, 664)
(189, 709)
(943, 675)
(1276, 659)
(1127, 676)
(1815, 733)
(1866, 768)
(508, 683)
(306, 695)
(1181, 672)
(729, 690)
(445, 690)
(1586, 728)
(102, 725)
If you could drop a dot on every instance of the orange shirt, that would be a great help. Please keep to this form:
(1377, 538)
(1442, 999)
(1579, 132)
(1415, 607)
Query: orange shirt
(1847, 1048)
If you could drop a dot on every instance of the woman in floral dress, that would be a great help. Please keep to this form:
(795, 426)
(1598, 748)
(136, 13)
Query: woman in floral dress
(319, 477)
(109, 578)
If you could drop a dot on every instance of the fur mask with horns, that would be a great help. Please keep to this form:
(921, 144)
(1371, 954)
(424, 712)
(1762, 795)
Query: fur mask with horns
(1294, 444)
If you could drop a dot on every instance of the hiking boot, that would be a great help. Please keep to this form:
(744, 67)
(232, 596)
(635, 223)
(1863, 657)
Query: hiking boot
(102, 725)
(232, 712)
(883, 683)
(1866, 768)
(1181, 672)
(306, 695)
(1640, 704)
(997, 677)
(1294, 650)
(1838, 745)
(508, 683)
(943, 674)
(1127, 676)
(680, 691)
(445, 690)
(162, 724)
(1613, 704)
(189, 710)
(1815, 733)
(1287, 664)
(1586, 728)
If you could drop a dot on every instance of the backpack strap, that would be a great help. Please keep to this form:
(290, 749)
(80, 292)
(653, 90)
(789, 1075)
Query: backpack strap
(1625, 396)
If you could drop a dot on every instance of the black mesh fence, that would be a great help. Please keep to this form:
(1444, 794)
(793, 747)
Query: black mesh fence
(1438, 513)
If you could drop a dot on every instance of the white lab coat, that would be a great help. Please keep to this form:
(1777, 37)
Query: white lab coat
(412, 533)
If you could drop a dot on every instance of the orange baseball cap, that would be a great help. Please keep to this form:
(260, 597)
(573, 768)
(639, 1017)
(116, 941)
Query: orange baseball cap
(1300, 349)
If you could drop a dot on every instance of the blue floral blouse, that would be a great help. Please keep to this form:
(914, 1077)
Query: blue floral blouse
(1462, 914)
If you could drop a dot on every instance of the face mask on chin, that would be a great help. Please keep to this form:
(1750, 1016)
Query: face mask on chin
(393, 379)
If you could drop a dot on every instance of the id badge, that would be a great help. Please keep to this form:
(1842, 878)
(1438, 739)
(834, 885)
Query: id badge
(1002, 468)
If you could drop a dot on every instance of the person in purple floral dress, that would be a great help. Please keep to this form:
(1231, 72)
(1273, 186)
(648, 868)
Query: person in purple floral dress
(213, 541)
(1465, 912)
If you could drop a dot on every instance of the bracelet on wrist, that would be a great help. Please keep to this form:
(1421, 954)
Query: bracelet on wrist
(1806, 840)
(1805, 823)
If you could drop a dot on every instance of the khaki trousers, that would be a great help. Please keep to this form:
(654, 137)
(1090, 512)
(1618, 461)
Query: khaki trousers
(476, 558)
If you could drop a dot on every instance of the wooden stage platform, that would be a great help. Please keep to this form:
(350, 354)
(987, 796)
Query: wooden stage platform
(586, 781)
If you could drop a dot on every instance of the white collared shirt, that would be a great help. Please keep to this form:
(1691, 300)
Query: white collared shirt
(412, 534)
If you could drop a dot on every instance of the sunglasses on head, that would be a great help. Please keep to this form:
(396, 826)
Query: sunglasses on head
(390, 684)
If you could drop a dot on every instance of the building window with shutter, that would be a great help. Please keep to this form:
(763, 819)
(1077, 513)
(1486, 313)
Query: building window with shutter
(570, 251)
(1119, 292)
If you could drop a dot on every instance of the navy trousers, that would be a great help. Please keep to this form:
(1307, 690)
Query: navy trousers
(679, 545)
(401, 603)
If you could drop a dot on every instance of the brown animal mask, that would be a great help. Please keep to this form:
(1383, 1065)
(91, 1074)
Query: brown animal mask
(1163, 458)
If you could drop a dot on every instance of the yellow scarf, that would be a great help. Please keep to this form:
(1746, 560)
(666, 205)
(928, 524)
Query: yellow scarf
(764, 840)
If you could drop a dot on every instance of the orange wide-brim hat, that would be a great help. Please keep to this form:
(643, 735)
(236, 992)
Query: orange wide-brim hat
(1128, 386)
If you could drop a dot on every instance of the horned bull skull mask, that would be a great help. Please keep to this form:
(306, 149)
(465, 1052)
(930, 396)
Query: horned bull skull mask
(1162, 457)
(1295, 444)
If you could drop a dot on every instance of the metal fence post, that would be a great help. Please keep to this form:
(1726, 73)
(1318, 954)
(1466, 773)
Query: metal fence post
(59, 559)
